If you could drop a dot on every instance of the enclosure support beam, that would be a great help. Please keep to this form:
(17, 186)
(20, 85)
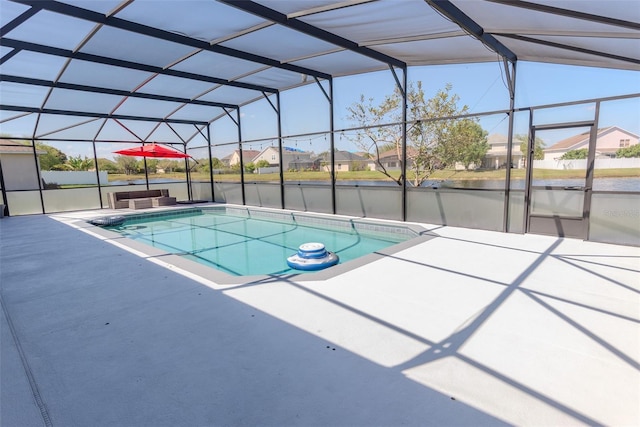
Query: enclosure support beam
(36, 163)
(449, 10)
(529, 173)
(23, 17)
(299, 25)
(187, 167)
(332, 142)
(553, 10)
(281, 151)
(66, 53)
(402, 87)
(571, 48)
(242, 183)
(95, 159)
(95, 137)
(591, 159)
(208, 137)
(108, 91)
(5, 107)
(112, 21)
(276, 109)
(333, 145)
(4, 192)
(511, 81)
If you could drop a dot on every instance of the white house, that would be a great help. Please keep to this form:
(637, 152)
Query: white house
(234, 158)
(609, 140)
(388, 160)
(291, 157)
(345, 161)
(20, 169)
(496, 157)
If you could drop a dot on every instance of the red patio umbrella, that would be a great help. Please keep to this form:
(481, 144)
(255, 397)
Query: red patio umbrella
(153, 150)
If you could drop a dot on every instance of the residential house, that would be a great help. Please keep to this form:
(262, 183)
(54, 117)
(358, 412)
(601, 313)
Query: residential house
(609, 140)
(345, 161)
(234, 158)
(496, 157)
(389, 160)
(292, 158)
(20, 169)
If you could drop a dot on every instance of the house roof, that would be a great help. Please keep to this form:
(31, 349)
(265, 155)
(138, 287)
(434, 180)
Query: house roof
(249, 155)
(497, 138)
(346, 156)
(9, 146)
(179, 66)
(569, 143)
(293, 150)
(246, 154)
(393, 154)
(287, 151)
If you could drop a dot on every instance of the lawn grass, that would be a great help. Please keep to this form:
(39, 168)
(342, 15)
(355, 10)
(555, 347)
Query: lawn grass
(378, 176)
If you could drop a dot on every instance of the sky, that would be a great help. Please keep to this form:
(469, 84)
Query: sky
(481, 87)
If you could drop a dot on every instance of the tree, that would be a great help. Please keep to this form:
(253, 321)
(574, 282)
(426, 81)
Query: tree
(79, 164)
(632, 151)
(202, 165)
(580, 153)
(152, 165)
(262, 163)
(468, 144)
(217, 163)
(432, 142)
(52, 157)
(107, 165)
(538, 147)
(249, 167)
(127, 164)
(166, 165)
(170, 165)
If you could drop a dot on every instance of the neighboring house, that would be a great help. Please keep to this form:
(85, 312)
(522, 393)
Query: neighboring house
(389, 160)
(496, 157)
(234, 158)
(609, 140)
(345, 161)
(19, 169)
(292, 158)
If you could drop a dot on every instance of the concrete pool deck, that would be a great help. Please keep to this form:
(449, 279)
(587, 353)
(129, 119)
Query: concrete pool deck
(468, 328)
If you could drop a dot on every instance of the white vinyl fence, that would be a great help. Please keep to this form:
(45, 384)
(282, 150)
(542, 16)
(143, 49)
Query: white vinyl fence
(582, 164)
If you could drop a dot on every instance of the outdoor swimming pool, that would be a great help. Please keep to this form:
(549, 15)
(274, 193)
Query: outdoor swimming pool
(247, 242)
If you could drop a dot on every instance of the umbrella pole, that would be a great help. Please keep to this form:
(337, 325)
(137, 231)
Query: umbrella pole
(146, 172)
(187, 168)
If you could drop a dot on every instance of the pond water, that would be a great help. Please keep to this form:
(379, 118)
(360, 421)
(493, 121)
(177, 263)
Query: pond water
(599, 184)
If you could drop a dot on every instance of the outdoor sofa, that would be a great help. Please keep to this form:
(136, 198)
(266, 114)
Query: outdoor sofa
(140, 199)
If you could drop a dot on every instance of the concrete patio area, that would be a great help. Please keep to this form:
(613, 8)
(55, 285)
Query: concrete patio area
(468, 328)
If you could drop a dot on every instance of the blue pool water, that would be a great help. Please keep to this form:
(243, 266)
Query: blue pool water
(243, 243)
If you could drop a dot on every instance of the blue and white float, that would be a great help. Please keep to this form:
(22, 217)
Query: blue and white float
(107, 221)
(311, 257)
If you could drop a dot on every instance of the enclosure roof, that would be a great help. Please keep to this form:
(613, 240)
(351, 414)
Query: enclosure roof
(176, 64)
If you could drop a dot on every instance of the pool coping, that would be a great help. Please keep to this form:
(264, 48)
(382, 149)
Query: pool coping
(189, 267)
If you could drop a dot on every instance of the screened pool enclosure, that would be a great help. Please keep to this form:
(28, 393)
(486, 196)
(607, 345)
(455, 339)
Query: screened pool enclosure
(519, 117)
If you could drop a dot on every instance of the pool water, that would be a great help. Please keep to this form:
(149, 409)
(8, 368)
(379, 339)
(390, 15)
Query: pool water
(240, 244)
